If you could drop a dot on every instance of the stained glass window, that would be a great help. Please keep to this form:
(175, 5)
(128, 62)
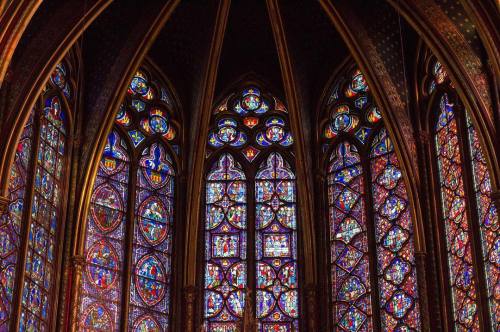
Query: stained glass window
(277, 294)
(350, 273)
(455, 219)
(37, 182)
(396, 271)
(45, 217)
(11, 222)
(248, 128)
(464, 210)
(225, 245)
(104, 249)
(368, 216)
(136, 178)
(489, 224)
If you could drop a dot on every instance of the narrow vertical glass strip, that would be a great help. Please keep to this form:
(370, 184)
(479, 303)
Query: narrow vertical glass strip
(350, 271)
(152, 248)
(455, 219)
(11, 221)
(397, 276)
(225, 278)
(100, 303)
(277, 295)
(488, 224)
(45, 219)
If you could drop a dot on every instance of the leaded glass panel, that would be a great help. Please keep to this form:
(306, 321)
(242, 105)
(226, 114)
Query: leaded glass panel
(455, 219)
(12, 220)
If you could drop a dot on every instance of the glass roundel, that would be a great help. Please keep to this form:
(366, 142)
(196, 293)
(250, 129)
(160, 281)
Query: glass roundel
(139, 164)
(263, 121)
(352, 113)
(367, 216)
(250, 121)
(145, 112)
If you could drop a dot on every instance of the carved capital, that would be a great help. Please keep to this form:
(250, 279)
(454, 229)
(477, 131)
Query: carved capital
(311, 300)
(4, 202)
(190, 293)
(77, 262)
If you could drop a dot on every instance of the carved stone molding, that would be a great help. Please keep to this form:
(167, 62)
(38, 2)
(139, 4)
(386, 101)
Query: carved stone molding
(77, 262)
(190, 294)
(469, 61)
(320, 175)
(4, 202)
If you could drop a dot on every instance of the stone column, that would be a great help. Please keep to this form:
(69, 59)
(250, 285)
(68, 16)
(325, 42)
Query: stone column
(189, 299)
(311, 304)
(77, 263)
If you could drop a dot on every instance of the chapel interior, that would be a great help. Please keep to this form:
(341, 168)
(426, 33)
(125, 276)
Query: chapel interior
(249, 165)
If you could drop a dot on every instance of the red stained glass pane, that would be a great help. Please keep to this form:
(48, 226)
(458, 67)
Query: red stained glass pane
(489, 224)
(455, 218)
(396, 271)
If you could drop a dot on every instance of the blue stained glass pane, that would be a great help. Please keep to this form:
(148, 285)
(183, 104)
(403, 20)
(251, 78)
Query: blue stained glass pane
(136, 136)
(275, 121)
(287, 140)
(363, 133)
(264, 107)
(262, 141)
(138, 105)
(225, 245)
(240, 140)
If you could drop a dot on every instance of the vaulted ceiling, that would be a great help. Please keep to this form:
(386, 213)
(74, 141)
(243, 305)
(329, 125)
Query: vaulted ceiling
(114, 37)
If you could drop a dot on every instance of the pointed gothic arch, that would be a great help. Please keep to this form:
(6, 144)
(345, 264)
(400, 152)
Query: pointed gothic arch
(465, 217)
(369, 225)
(129, 242)
(33, 225)
(249, 132)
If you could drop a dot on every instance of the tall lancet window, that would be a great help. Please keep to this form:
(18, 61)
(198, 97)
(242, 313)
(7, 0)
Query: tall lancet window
(127, 279)
(373, 282)
(250, 217)
(31, 230)
(468, 217)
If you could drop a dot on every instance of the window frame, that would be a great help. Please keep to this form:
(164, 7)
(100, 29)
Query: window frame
(250, 169)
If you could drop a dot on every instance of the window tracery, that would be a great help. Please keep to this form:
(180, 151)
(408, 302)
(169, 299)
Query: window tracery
(250, 216)
(370, 228)
(466, 207)
(129, 232)
(30, 229)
